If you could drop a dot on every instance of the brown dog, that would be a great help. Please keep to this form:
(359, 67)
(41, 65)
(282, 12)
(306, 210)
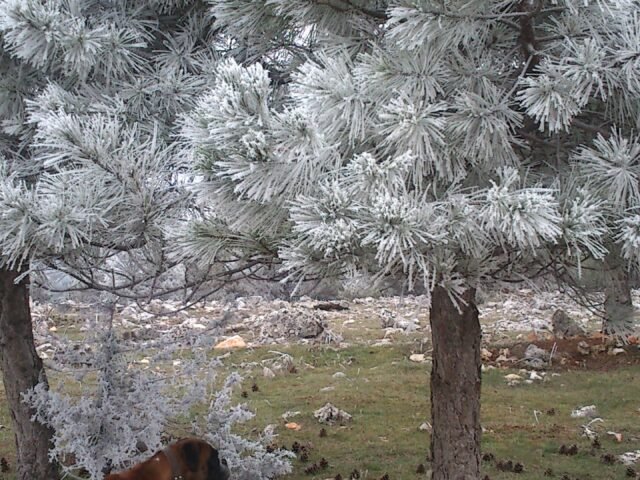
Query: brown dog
(187, 459)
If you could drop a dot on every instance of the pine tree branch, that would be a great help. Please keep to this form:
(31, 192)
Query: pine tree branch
(348, 6)
(495, 16)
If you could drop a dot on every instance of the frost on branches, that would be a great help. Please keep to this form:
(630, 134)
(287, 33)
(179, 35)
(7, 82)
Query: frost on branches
(122, 405)
(447, 143)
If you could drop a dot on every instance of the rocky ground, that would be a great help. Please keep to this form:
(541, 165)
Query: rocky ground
(564, 332)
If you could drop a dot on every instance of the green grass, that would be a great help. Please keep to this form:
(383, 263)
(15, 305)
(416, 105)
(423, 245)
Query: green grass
(388, 397)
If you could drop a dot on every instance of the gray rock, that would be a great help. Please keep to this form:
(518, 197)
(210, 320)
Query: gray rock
(536, 357)
(565, 326)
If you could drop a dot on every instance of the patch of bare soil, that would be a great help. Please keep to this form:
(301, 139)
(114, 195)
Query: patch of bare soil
(596, 352)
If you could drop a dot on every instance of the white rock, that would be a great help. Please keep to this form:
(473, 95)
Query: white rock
(534, 376)
(630, 458)
(512, 377)
(583, 412)
(339, 375)
(417, 357)
(425, 427)
(268, 373)
(290, 414)
(330, 414)
(616, 351)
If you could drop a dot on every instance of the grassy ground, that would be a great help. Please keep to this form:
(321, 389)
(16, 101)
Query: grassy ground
(388, 397)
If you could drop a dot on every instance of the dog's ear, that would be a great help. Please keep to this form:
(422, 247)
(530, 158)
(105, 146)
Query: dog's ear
(191, 455)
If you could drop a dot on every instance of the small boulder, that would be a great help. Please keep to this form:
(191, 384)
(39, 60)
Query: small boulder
(590, 411)
(232, 342)
(485, 355)
(584, 348)
(565, 326)
(536, 357)
(331, 414)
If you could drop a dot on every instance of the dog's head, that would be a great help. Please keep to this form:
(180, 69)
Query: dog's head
(194, 456)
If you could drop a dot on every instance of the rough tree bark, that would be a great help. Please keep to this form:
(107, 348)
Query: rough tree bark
(455, 388)
(22, 369)
(618, 304)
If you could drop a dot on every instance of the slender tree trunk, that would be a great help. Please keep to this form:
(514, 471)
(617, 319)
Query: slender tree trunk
(455, 388)
(22, 369)
(618, 303)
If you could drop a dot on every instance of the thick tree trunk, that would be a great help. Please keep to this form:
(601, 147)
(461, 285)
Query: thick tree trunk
(455, 388)
(22, 369)
(618, 304)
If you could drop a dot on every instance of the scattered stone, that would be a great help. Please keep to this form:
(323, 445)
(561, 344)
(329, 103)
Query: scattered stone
(485, 355)
(293, 426)
(616, 351)
(330, 414)
(630, 458)
(290, 414)
(535, 376)
(323, 433)
(417, 357)
(536, 357)
(330, 306)
(584, 348)
(518, 468)
(630, 472)
(293, 322)
(512, 376)
(590, 411)
(268, 373)
(425, 427)
(339, 375)
(564, 326)
(232, 342)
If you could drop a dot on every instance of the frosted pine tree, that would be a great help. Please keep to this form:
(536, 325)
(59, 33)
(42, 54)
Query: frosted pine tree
(90, 182)
(453, 145)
